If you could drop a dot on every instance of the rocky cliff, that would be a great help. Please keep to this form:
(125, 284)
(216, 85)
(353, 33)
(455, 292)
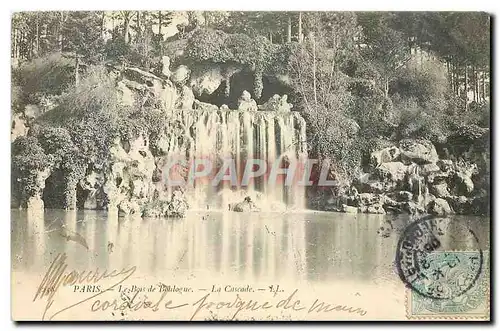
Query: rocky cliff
(407, 177)
(131, 180)
(411, 178)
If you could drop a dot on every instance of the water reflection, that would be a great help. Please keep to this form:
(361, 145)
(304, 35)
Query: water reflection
(256, 246)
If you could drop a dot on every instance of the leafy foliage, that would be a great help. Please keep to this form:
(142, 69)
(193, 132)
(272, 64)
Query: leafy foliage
(91, 113)
(83, 34)
(357, 78)
(48, 75)
(28, 158)
(117, 48)
(258, 53)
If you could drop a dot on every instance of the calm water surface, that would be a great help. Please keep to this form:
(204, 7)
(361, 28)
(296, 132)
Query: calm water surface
(311, 246)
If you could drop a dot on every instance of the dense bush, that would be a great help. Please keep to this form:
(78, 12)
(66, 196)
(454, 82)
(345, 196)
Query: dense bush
(207, 45)
(476, 114)
(50, 150)
(332, 132)
(117, 49)
(51, 74)
(428, 85)
(91, 113)
(142, 54)
(150, 121)
(28, 158)
(56, 142)
(467, 136)
(411, 120)
(422, 106)
(370, 109)
(16, 98)
(175, 50)
(257, 53)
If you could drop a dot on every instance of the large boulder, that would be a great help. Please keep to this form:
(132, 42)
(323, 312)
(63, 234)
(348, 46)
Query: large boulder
(247, 205)
(440, 190)
(404, 196)
(371, 186)
(128, 207)
(428, 169)
(440, 207)
(463, 183)
(412, 208)
(155, 209)
(246, 103)
(462, 179)
(460, 204)
(439, 177)
(389, 154)
(418, 151)
(206, 79)
(445, 165)
(144, 88)
(370, 203)
(349, 209)
(391, 205)
(373, 209)
(367, 199)
(391, 171)
(176, 207)
(277, 103)
(140, 76)
(180, 75)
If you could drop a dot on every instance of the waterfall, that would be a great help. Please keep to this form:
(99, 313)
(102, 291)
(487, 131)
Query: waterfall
(217, 135)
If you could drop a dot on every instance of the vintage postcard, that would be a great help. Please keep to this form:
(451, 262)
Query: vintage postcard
(250, 166)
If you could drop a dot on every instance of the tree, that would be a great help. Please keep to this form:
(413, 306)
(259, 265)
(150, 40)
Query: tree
(82, 33)
(300, 35)
(323, 88)
(163, 19)
(272, 25)
(27, 29)
(126, 15)
(216, 19)
(461, 39)
(385, 48)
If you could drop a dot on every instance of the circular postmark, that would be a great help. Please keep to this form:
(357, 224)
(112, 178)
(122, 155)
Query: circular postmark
(439, 258)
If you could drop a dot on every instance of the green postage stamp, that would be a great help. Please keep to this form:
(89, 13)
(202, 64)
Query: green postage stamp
(454, 285)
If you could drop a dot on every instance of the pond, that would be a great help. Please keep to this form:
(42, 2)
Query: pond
(312, 246)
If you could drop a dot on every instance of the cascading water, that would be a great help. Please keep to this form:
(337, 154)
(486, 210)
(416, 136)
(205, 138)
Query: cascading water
(218, 135)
